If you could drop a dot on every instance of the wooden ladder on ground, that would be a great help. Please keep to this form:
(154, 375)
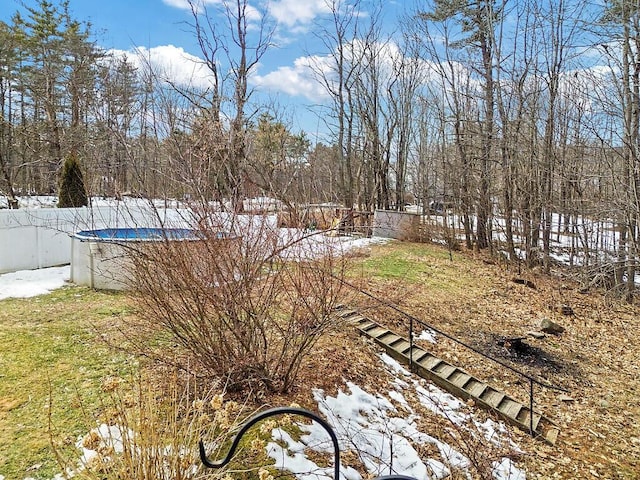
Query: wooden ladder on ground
(453, 379)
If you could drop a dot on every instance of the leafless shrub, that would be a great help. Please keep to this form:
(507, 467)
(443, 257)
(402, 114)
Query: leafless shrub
(244, 303)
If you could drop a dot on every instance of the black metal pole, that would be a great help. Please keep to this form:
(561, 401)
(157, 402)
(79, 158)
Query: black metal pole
(411, 344)
(531, 407)
(283, 411)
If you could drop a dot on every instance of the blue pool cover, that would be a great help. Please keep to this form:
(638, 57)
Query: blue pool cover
(138, 234)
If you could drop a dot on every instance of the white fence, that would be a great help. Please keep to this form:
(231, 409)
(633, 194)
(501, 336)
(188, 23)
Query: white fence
(39, 238)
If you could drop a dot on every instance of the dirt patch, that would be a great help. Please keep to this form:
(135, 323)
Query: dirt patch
(521, 352)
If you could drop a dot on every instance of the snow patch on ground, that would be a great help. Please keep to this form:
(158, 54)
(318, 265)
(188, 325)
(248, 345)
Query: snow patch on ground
(30, 283)
(505, 470)
(306, 245)
(428, 335)
(109, 437)
(386, 439)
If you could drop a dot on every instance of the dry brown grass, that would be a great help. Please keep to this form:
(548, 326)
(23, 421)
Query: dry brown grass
(476, 300)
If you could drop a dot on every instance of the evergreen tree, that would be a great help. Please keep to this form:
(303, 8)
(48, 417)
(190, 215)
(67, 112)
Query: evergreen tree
(72, 192)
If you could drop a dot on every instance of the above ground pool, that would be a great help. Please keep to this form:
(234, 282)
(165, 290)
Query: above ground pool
(99, 258)
(137, 234)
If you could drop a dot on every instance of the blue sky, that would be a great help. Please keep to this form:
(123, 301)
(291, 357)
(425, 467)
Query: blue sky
(158, 28)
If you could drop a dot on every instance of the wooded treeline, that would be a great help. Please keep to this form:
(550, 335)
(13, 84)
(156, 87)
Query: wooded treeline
(521, 117)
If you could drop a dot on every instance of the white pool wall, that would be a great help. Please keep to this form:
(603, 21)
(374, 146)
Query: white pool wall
(104, 265)
(99, 264)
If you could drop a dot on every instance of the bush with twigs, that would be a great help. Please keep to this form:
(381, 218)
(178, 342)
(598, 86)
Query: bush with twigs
(242, 302)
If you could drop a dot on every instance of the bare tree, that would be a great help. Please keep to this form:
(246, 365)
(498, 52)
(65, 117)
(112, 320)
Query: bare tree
(231, 39)
(449, 92)
(338, 79)
(279, 165)
(622, 28)
(408, 70)
(8, 66)
(477, 23)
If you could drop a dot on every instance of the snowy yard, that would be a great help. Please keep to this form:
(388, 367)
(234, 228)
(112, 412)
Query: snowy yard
(379, 428)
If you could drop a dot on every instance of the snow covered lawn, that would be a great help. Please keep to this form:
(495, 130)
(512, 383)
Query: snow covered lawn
(379, 429)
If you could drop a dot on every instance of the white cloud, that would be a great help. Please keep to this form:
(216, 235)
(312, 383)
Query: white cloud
(187, 4)
(171, 63)
(252, 13)
(293, 14)
(184, 4)
(296, 80)
(308, 75)
(296, 12)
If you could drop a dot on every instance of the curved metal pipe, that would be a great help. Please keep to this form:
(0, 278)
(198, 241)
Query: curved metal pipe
(270, 413)
(286, 411)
